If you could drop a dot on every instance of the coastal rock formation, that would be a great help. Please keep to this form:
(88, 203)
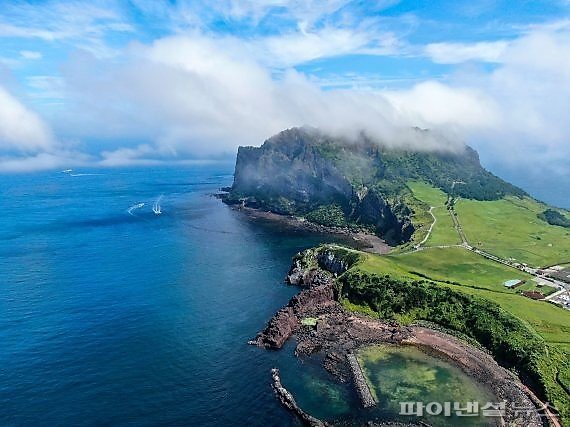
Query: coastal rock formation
(300, 276)
(288, 319)
(287, 399)
(319, 270)
(314, 270)
(331, 263)
(360, 382)
(337, 334)
(358, 184)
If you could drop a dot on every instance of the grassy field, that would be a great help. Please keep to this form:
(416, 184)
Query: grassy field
(426, 193)
(510, 228)
(459, 265)
(443, 232)
(463, 270)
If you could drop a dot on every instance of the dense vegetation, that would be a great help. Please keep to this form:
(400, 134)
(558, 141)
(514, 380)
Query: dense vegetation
(511, 341)
(329, 215)
(554, 218)
(372, 164)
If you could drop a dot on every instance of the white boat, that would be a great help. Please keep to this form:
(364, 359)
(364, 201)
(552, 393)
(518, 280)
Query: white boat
(156, 207)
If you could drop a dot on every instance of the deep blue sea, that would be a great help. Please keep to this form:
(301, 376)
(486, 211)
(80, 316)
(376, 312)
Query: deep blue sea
(118, 316)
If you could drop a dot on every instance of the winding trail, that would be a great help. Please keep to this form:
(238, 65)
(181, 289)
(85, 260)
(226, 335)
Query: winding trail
(430, 227)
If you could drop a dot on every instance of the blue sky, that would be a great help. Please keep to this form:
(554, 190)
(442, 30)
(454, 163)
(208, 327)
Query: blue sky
(112, 82)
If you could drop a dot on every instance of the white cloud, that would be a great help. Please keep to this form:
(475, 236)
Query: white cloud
(127, 156)
(518, 111)
(46, 87)
(199, 14)
(8, 30)
(198, 96)
(290, 49)
(30, 54)
(21, 129)
(436, 104)
(78, 23)
(456, 53)
(42, 161)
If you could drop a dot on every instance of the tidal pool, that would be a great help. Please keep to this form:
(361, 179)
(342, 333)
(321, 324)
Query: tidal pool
(408, 374)
(395, 374)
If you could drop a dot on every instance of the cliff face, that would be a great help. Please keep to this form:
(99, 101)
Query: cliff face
(335, 182)
(288, 173)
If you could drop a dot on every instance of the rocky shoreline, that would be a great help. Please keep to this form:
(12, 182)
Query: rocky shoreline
(287, 400)
(358, 239)
(336, 334)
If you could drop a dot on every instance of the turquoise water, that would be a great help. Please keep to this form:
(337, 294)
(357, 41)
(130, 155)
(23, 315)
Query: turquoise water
(409, 374)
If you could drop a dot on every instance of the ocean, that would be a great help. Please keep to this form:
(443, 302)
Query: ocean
(112, 314)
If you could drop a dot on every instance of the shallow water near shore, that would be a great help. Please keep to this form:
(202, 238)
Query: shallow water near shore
(112, 314)
(409, 374)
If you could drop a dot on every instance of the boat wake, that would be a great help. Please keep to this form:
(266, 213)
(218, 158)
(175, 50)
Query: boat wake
(156, 206)
(70, 173)
(134, 207)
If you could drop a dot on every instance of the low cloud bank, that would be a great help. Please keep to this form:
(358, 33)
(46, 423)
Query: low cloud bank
(198, 96)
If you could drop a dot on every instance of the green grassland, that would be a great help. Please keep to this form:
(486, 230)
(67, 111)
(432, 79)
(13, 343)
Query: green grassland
(443, 232)
(428, 194)
(510, 228)
(459, 265)
(467, 272)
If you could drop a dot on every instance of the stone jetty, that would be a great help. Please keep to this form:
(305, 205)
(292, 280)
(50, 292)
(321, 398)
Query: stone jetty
(287, 399)
(360, 383)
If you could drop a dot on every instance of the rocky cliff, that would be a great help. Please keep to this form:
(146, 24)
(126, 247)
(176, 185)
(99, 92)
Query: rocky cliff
(341, 183)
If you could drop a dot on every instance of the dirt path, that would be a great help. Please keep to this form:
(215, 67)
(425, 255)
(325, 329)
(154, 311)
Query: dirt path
(425, 239)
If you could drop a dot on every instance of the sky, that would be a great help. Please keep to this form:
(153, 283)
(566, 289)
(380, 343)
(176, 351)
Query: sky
(122, 82)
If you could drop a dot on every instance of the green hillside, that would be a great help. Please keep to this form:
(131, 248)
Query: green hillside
(443, 232)
(511, 228)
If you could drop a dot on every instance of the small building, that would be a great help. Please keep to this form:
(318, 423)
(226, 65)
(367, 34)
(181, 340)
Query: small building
(533, 295)
(511, 284)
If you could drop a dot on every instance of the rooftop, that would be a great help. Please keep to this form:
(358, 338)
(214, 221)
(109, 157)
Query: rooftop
(512, 283)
